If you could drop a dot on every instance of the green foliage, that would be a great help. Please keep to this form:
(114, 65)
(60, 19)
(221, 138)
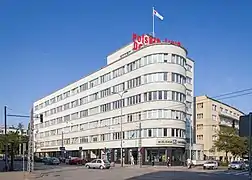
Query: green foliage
(14, 139)
(230, 142)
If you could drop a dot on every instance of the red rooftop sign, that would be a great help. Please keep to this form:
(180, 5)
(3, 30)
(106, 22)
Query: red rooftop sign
(140, 41)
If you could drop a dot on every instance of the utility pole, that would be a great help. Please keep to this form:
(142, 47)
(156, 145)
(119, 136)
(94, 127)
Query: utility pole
(250, 133)
(6, 142)
(121, 131)
(140, 144)
(30, 163)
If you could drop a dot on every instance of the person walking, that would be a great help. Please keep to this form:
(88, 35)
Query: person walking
(168, 162)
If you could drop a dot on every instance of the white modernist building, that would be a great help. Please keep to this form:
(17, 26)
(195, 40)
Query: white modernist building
(152, 85)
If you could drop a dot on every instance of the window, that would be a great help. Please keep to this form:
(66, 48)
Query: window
(134, 65)
(134, 82)
(189, 68)
(66, 94)
(66, 118)
(214, 117)
(149, 132)
(188, 92)
(105, 107)
(93, 97)
(134, 99)
(165, 132)
(200, 116)
(94, 82)
(47, 103)
(214, 127)
(105, 77)
(83, 126)
(105, 92)
(118, 104)
(214, 107)
(84, 87)
(94, 110)
(59, 109)
(118, 72)
(66, 106)
(178, 78)
(84, 139)
(199, 105)
(84, 113)
(74, 128)
(74, 116)
(53, 100)
(84, 100)
(75, 91)
(214, 137)
(118, 88)
(199, 126)
(188, 80)
(199, 137)
(74, 103)
(59, 97)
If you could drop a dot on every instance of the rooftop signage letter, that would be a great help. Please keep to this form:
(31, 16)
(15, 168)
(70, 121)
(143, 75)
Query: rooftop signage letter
(140, 41)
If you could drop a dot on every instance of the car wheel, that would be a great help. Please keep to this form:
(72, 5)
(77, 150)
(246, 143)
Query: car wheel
(87, 166)
(204, 167)
(101, 167)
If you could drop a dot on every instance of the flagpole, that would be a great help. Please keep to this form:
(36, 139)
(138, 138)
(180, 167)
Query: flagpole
(153, 23)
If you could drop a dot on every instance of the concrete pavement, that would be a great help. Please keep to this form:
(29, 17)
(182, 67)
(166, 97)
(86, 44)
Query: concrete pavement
(131, 173)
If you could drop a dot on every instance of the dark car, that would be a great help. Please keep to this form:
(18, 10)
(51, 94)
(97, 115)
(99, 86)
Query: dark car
(76, 161)
(52, 161)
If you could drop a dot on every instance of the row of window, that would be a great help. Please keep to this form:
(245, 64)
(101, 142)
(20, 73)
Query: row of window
(107, 122)
(132, 134)
(150, 59)
(154, 77)
(136, 99)
(214, 108)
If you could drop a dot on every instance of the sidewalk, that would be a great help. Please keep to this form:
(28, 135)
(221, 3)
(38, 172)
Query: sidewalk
(18, 175)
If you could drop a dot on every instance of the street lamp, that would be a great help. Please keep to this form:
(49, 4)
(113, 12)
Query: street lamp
(121, 98)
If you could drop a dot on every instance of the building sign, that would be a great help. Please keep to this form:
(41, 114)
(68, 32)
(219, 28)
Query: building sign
(140, 41)
(170, 142)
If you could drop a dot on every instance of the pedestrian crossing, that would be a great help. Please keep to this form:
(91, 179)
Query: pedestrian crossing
(233, 173)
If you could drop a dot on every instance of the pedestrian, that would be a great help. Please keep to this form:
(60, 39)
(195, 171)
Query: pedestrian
(168, 162)
(132, 160)
(152, 161)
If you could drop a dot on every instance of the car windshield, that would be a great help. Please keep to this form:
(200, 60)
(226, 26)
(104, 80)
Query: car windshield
(105, 161)
(210, 162)
(235, 162)
(93, 161)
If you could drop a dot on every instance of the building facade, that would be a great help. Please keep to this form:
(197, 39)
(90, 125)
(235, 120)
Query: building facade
(152, 86)
(209, 117)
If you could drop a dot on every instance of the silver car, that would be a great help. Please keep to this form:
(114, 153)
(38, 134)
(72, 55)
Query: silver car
(98, 164)
(237, 165)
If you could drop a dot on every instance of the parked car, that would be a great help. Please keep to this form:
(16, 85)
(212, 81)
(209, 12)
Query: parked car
(52, 161)
(98, 164)
(237, 165)
(210, 165)
(75, 161)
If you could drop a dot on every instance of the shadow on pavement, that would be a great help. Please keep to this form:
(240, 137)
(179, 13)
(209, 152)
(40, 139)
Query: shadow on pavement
(180, 175)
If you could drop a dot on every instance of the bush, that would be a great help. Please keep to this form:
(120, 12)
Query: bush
(223, 163)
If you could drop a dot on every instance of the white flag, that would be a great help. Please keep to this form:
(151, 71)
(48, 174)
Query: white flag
(157, 14)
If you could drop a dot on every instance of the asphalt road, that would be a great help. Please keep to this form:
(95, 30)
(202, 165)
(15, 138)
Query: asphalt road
(18, 166)
(135, 173)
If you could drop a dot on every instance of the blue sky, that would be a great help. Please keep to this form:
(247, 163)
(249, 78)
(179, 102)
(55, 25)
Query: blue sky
(45, 45)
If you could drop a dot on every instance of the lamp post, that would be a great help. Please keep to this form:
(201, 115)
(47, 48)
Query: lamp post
(121, 132)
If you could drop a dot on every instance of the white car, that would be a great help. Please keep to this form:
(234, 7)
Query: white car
(98, 164)
(210, 165)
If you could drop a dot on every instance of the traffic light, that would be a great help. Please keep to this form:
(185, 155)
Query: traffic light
(41, 118)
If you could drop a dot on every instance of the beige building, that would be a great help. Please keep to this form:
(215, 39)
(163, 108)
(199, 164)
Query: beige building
(210, 115)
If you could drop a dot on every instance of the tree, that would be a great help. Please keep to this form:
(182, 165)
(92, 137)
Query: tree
(229, 142)
(20, 127)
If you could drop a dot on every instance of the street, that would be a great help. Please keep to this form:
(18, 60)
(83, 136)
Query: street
(136, 173)
(73, 172)
(18, 166)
